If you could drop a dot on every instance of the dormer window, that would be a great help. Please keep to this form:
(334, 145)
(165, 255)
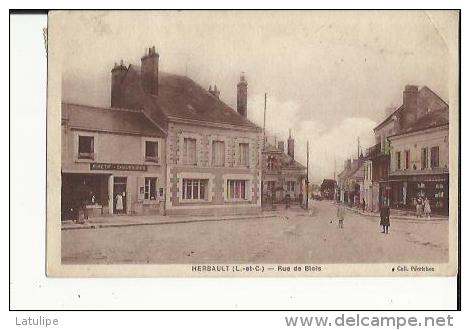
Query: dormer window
(86, 147)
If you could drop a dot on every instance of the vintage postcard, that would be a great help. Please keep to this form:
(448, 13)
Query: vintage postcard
(253, 143)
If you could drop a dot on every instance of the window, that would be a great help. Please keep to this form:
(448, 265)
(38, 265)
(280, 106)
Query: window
(424, 158)
(291, 187)
(244, 154)
(151, 151)
(195, 189)
(434, 157)
(407, 159)
(270, 185)
(189, 151)
(270, 163)
(85, 147)
(236, 189)
(398, 160)
(218, 153)
(150, 192)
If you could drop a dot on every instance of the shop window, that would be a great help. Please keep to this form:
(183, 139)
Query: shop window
(424, 158)
(218, 153)
(85, 147)
(398, 160)
(407, 159)
(244, 154)
(195, 189)
(189, 151)
(236, 189)
(151, 151)
(434, 157)
(150, 192)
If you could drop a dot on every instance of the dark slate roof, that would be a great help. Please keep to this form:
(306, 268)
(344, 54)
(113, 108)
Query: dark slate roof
(430, 120)
(109, 119)
(179, 96)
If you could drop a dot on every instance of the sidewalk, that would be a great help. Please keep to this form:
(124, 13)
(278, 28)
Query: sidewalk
(399, 215)
(134, 220)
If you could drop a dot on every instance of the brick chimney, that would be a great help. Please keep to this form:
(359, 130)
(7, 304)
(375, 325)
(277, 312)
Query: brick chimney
(242, 95)
(117, 78)
(290, 145)
(149, 71)
(280, 145)
(410, 105)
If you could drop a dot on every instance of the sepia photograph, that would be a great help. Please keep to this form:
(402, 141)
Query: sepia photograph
(253, 143)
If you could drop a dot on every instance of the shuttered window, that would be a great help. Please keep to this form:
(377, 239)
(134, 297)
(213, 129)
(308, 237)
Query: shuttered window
(218, 153)
(189, 151)
(244, 155)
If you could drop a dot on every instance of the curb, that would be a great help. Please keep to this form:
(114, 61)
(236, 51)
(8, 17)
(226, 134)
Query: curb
(400, 217)
(167, 222)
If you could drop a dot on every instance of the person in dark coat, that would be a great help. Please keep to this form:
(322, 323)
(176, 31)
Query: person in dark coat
(385, 217)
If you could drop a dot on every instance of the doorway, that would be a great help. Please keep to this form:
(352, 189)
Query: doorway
(119, 198)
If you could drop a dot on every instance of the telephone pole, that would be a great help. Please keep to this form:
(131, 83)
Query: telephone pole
(307, 183)
(264, 122)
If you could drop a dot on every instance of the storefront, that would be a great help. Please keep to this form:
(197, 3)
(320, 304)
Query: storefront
(128, 189)
(405, 190)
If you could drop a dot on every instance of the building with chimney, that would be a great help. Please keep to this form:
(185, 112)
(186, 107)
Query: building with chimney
(208, 154)
(112, 162)
(410, 158)
(282, 175)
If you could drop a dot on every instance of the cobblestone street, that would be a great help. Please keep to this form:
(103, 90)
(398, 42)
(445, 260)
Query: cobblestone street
(294, 236)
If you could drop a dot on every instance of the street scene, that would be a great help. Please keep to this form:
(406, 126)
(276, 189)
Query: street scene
(292, 236)
(323, 141)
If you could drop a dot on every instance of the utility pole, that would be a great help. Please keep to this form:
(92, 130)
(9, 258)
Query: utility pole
(307, 183)
(264, 122)
(358, 144)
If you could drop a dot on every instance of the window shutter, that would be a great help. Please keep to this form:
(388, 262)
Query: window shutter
(236, 158)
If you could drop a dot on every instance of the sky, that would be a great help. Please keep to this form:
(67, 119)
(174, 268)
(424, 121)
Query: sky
(329, 75)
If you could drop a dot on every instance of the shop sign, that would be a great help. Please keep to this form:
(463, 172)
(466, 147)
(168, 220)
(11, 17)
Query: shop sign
(117, 167)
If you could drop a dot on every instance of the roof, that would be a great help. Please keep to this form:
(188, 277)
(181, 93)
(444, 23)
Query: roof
(181, 97)
(424, 93)
(430, 120)
(287, 161)
(109, 119)
(358, 173)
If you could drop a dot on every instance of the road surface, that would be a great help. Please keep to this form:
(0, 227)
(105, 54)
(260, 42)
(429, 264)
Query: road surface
(294, 236)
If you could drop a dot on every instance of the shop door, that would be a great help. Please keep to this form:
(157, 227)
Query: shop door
(120, 194)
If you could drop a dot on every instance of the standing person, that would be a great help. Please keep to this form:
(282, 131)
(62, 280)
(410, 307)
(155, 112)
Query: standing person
(363, 205)
(419, 207)
(119, 203)
(427, 208)
(385, 217)
(340, 216)
(287, 198)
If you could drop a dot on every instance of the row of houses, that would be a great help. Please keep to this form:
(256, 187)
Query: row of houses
(166, 145)
(410, 159)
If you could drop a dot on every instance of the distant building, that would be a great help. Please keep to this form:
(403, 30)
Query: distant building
(282, 175)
